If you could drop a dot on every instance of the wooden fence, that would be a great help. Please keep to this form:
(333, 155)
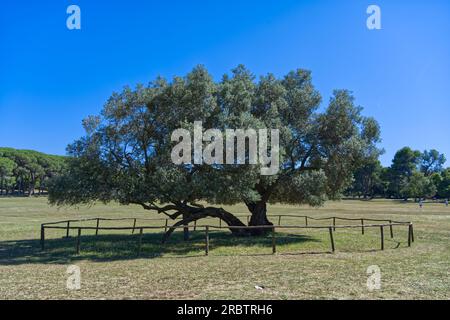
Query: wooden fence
(362, 224)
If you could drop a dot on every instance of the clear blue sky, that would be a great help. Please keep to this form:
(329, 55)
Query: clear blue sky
(51, 77)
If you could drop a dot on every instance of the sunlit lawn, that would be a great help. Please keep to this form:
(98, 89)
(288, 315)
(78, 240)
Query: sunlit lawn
(303, 266)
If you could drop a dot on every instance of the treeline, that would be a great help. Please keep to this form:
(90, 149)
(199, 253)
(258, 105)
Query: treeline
(412, 174)
(27, 172)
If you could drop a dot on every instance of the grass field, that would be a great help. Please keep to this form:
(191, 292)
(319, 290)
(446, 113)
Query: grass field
(303, 267)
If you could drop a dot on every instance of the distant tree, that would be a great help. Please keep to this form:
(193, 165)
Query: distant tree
(444, 184)
(403, 166)
(125, 154)
(368, 179)
(31, 169)
(418, 186)
(383, 187)
(437, 178)
(51, 166)
(405, 161)
(431, 162)
(6, 174)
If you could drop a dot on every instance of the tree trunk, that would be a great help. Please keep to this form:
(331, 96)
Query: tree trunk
(259, 218)
(185, 229)
(30, 190)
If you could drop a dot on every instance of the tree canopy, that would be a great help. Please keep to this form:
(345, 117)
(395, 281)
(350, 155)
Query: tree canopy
(431, 162)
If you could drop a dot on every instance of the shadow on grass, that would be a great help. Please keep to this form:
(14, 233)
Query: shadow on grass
(125, 247)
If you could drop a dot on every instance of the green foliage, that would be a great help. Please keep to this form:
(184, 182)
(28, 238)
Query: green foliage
(368, 179)
(444, 184)
(7, 178)
(415, 174)
(22, 171)
(405, 161)
(403, 166)
(412, 174)
(431, 162)
(418, 186)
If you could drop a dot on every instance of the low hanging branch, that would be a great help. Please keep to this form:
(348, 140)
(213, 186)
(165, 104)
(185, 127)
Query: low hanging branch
(164, 209)
(201, 213)
(194, 212)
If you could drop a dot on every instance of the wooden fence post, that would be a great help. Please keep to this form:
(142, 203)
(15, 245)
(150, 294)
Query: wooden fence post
(220, 223)
(306, 220)
(96, 228)
(78, 241)
(165, 227)
(274, 248)
(141, 231)
(279, 220)
(134, 226)
(391, 229)
(382, 237)
(206, 240)
(68, 228)
(331, 239)
(42, 237)
(409, 235)
(334, 223)
(362, 226)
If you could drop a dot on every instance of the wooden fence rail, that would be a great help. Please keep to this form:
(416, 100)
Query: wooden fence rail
(331, 229)
(238, 216)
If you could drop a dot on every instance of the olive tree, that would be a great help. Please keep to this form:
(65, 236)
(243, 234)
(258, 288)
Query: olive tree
(125, 155)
